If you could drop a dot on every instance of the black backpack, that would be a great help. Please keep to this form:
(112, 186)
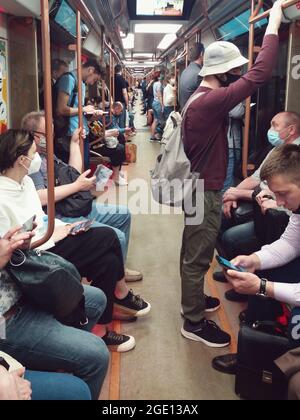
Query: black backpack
(61, 124)
(76, 205)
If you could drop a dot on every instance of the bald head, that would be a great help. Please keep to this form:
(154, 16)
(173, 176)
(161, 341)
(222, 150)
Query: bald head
(287, 124)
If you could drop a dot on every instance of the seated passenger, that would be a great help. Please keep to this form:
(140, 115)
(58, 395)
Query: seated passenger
(96, 253)
(285, 129)
(38, 341)
(117, 110)
(277, 265)
(25, 385)
(116, 217)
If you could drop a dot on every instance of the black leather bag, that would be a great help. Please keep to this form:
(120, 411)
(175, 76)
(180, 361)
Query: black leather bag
(258, 377)
(244, 213)
(271, 226)
(76, 205)
(51, 283)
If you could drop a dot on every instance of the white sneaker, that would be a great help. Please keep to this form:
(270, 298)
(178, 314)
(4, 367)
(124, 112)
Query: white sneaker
(121, 182)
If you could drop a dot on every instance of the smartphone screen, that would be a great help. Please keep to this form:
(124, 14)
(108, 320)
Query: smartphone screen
(83, 226)
(28, 226)
(227, 264)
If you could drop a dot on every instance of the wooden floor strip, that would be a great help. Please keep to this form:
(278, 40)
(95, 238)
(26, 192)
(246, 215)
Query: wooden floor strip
(115, 370)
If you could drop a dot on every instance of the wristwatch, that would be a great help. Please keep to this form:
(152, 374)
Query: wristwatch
(263, 288)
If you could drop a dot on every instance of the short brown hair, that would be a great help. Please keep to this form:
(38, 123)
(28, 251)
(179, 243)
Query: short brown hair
(283, 161)
(292, 118)
(13, 144)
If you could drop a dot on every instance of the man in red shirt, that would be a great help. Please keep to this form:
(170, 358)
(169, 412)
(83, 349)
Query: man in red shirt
(205, 127)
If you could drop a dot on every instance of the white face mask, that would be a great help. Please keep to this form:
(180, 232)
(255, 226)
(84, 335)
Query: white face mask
(35, 164)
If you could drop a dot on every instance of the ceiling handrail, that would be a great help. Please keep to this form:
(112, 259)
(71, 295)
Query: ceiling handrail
(266, 14)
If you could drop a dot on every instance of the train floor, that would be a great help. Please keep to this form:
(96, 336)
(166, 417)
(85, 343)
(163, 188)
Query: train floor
(164, 365)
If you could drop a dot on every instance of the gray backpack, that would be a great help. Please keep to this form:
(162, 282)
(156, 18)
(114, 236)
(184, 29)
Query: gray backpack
(172, 180)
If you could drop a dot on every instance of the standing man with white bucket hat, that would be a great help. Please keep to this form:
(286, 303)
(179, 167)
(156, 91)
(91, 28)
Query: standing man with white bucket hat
(205, 140)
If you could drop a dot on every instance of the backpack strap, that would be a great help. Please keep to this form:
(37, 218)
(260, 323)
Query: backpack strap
(75, 90)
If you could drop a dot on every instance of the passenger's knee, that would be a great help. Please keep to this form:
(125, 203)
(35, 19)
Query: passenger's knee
(97, 354)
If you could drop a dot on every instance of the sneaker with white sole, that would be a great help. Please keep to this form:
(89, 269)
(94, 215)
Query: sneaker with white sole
(132, 305)
(211, 305)
(118, 342)
(206, 332)
(132, 275)
(121, 182)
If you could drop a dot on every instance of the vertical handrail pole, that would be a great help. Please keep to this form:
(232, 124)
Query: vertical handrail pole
(79, 81)
(248, 100)
(49, 123)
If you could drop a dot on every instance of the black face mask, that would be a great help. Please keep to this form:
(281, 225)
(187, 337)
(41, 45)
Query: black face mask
(230, 78)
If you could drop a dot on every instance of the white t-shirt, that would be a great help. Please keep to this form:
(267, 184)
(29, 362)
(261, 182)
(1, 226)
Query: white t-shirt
(169, 95)
(20, 202)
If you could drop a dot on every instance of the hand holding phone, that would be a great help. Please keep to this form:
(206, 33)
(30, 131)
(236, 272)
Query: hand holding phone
(228, 266)
(29, 225)
(81, 227)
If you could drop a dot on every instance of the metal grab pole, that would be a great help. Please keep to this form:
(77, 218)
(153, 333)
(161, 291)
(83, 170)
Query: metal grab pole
(256, 18)
(248, 100)
(79, 82)
(49, 123)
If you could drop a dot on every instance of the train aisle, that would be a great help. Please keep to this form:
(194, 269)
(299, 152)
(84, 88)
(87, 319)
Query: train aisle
(164, 365)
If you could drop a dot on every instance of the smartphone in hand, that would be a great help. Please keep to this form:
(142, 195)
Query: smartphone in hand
(82, 227)
(29, 225)
(228, 266)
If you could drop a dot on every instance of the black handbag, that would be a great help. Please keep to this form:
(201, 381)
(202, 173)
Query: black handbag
(244, 213)
(258, 377)
(271, 226)
(76, 205)
(51, 283)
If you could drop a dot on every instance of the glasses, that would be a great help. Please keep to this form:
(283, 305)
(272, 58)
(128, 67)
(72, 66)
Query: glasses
(38, 132)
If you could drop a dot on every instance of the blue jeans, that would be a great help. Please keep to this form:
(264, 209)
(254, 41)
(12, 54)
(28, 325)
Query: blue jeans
(168, 111)
(157, 111)
(41, 343)
(116, 217)
(122, 118)
(240, 240)
(57, 387)
(231, 167)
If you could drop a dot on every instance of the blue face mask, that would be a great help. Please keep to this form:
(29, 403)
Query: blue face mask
(274, 138)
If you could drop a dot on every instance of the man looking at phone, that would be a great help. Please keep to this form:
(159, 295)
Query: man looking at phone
(117, 111)
(284, 129)
(205, 140)
(116, 217)
(66, 110)
(277, 265)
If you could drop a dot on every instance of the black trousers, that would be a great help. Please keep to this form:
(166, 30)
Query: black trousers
(97, 255)
(117, 155)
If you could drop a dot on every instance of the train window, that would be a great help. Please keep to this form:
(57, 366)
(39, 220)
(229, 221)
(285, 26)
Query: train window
(237, 26)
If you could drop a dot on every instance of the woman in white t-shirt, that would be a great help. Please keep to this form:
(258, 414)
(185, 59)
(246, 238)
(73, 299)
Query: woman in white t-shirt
(170, 100)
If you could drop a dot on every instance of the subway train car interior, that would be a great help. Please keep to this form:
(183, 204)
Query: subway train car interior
(149, 202)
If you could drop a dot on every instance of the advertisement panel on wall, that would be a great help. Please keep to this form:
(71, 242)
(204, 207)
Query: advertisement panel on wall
(3, 86)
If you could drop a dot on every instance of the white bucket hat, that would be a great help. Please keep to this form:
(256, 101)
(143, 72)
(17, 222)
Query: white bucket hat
(221, 57)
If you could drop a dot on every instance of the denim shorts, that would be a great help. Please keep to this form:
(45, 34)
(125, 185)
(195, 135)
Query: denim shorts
(157, 110)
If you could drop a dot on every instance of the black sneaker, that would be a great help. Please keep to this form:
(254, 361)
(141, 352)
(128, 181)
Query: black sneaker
(118, 342)
(133, 305)
(219, 276)
(212, 304)
(233, 296)
(206, 332)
